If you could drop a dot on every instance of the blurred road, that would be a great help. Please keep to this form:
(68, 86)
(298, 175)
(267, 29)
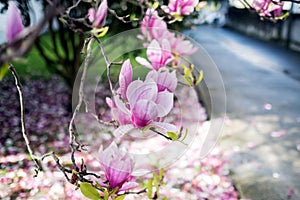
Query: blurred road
(262, 133)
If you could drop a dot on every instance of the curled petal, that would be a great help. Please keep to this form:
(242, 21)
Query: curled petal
(98, 17)
(110, 102)
(167, 56)
(154, 54)
(116, 165)
(164, 103)
(128, 186)
(141, 90)
(110, 153)
(164, 80)
(121, 105)
(91, 14)
(143, 62)
(122, 130)
(165, 127)
(125, 78)
(119, 171)
(143, 112)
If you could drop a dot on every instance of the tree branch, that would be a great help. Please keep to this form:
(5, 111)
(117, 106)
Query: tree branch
(73, 142)
(23, 125)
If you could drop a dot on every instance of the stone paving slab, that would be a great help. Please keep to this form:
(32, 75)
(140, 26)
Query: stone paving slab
(261, 136)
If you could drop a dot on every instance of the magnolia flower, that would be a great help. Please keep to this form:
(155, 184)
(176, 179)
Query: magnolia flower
(146, 104)
(164, 80)
(266, 7)
(98, 16)
(152, 26)
(181, 7)
(141, 104)
(158, 55)
(14, 24)
(117, 167)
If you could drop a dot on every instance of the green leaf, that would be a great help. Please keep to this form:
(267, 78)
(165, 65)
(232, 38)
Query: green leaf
(156, 182)
(113, 191)
(155, 5)
(120, 197)
(106, 195)
(89, 191)
(100, 32)
(63, 20)
(149, 189)
(199, 78)
(3, 71)
(161, 174)
(172, 135)
(184, 136)
(187, 75)
(284, 16)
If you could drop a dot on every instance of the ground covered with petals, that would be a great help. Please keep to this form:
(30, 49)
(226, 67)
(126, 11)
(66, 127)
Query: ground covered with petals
(47, 116)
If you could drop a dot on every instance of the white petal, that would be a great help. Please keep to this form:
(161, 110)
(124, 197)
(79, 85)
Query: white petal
(165, 127)
(164, 103)
(143, 62)
(122, 130)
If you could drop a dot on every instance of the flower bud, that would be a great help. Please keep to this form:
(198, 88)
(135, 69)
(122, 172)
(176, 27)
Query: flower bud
(14, 24)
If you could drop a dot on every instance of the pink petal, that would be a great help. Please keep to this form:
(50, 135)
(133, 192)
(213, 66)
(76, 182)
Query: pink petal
(101, 15)
(143, 112)
(107, 155)
(154, 54)
(122, 130)
(165, 127)
(119, 171)
(164, 103)
(164, 80)
(14, 24)
(125, 77)
(141, 90)
(128, 185)
(121, 105)
(110, 102)
(91, 14)
(167, 56)
(143, 62)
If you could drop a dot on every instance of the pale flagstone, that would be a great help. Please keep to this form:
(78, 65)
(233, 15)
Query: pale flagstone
(263, 111)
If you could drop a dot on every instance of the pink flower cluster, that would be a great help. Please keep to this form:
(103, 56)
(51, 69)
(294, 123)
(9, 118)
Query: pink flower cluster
(141, 104)
(117, 168)
(181, 7)
(268, 8)
(155, 28)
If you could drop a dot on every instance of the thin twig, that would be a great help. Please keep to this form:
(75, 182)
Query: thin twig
(159, 133)
(72, 137)
(22, 111)
(108, 64)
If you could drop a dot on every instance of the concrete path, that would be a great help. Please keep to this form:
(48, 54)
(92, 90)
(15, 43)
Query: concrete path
(262, 133)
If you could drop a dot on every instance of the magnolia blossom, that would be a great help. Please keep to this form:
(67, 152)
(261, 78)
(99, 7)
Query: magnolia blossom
(14, 24)
(146, 105)
(152, 26)
(117, 167)
(164, 80)
(98, 16)
(266, 7)
(159, 55)
(140, 104)
(125, 78)
(181, 7)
